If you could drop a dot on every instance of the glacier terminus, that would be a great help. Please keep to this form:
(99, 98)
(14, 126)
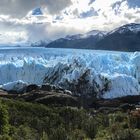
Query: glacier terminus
(106, 74)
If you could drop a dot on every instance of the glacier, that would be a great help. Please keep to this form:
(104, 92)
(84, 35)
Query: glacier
(104, 74)
(17, 86)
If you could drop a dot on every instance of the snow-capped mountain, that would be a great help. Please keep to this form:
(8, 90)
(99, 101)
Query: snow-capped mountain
(124, 38)
(92, 33)
(73, 37)
(133, 27)
(98, 73)
(96, 32)
(78, 41)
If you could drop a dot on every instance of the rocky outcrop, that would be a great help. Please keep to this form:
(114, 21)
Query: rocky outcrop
(57, 96)
(125, 104)
(46, 94)
(50, 98)
(32, 87)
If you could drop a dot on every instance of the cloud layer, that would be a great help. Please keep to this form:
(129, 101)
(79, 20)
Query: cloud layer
(62, 17)
(19, 8)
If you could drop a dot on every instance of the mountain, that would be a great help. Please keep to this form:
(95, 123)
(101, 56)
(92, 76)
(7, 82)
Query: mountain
(124, 38)
(133, 27)
(79, 41)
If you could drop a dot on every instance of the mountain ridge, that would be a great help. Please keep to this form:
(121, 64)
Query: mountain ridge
(124, 38)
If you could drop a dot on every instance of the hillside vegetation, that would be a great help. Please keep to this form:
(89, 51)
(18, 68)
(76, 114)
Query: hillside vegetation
(21, 120)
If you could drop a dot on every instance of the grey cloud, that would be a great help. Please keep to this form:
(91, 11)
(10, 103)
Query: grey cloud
(137, 20)
(116, 7)
(130, 16)
(35, 31)
(48, 32)
(91, 1)
(19, 8)
(55, 6)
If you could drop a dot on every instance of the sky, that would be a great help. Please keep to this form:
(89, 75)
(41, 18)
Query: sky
(33, 20)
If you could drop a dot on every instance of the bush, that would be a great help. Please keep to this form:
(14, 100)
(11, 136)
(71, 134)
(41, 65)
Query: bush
(58, 134)
(5, 137)
(24, 132)
(127, 134)
(77, 135)
(4, 119)
(91, 127)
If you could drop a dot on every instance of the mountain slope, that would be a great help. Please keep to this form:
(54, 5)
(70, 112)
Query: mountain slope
(79, 41)
(124, 38)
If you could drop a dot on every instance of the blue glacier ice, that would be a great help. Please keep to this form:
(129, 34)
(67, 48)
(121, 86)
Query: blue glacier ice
(105, 73)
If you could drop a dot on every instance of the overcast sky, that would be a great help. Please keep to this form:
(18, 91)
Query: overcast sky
(20, 21)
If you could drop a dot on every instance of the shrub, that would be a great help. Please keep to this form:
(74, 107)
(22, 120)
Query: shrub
(4, 119)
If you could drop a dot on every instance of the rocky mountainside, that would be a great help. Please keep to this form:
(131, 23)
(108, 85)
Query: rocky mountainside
(124, 38)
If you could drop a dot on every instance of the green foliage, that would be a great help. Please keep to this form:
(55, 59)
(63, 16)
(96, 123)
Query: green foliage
(90, 127)
(58, 134)
(127, 134)
(24, 132)
(77, 134)
(44, 136)
(5, 137)
(4, 119)
(134, 122)
(30, 121)
(103, 134)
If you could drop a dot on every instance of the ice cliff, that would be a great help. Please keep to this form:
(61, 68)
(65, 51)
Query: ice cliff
(100, 73)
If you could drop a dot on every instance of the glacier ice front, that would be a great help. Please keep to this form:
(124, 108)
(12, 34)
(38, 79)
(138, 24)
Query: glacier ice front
(100, 73)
